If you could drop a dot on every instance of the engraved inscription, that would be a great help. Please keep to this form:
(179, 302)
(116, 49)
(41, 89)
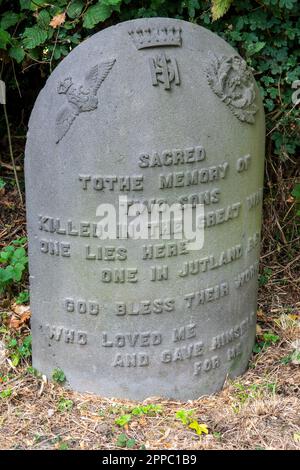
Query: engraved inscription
(81, 98)
(112, 183)
(204, 296)
(234, 351)
(107, 253)
(60, 333)
(145, 307)
(131, 360)
(211, 262)
(184, 352)
(184, 332)
(243, 163)
(206, 365)
(211, 196)
(159, 273)
(81, 306)
(254, 199)
(120, 340)
(195, 177)
(164, 250)
(119, 276)
(245, 276)
(172, 157)
(253, 241)
(52, 247)
(220, 216)
(233, 333)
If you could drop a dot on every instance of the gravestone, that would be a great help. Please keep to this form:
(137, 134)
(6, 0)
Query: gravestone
(151, 111)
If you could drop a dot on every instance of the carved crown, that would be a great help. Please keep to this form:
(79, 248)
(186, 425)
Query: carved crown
(156, 37)
(64, 85)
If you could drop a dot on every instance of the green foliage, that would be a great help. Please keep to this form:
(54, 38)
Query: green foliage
(296, 195)
(6, 393)
(33, 371)
(13, 262)
(63, 446)
(264, 277)
(19, 349)
(123, 420)
(127, 413)
(23, 297)
(187, 418)
(150, 410)
(124, 441)
(58, 376)
(295, 356)
(100, 12)
(219, 8)
(65, 405)
(2, 183)
(268, 339)
(257, 391)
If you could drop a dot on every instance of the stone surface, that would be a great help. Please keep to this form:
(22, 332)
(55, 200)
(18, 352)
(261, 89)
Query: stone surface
(174, 109)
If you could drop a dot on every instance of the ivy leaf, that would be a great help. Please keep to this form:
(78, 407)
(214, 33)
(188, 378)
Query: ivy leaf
(192, 6)
(130, 443)
(255, 47)
(4, 39)
(96, 14)
(112, 2)
(32, 5)
(25, 4)
(199, 428)
(9, 19)
(219, 8)
(75, 8)
(34, 36)
(289, 4)
(17, 53)
(123, 420)
(35, 4)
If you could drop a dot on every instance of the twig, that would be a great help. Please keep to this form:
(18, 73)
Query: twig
(15, 77)
(9, 167)
(11, 153)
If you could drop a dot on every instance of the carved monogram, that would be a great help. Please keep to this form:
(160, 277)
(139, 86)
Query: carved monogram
(232, 81)
(81, 98)
(164, 70)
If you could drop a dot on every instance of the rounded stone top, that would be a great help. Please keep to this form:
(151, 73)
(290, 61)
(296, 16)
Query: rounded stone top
(139, 73)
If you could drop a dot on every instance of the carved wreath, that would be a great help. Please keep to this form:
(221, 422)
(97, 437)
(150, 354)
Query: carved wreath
(232, 81)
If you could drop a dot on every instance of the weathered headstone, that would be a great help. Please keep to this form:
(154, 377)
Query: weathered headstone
(160, 111)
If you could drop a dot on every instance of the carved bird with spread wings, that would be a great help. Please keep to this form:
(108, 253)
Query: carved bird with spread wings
(81, 98)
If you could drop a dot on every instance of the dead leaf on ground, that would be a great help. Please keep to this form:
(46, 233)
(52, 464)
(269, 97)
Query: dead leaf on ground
(258, 330)
(20, 316)
(260, 314)
(58, 20)
(20, 309)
